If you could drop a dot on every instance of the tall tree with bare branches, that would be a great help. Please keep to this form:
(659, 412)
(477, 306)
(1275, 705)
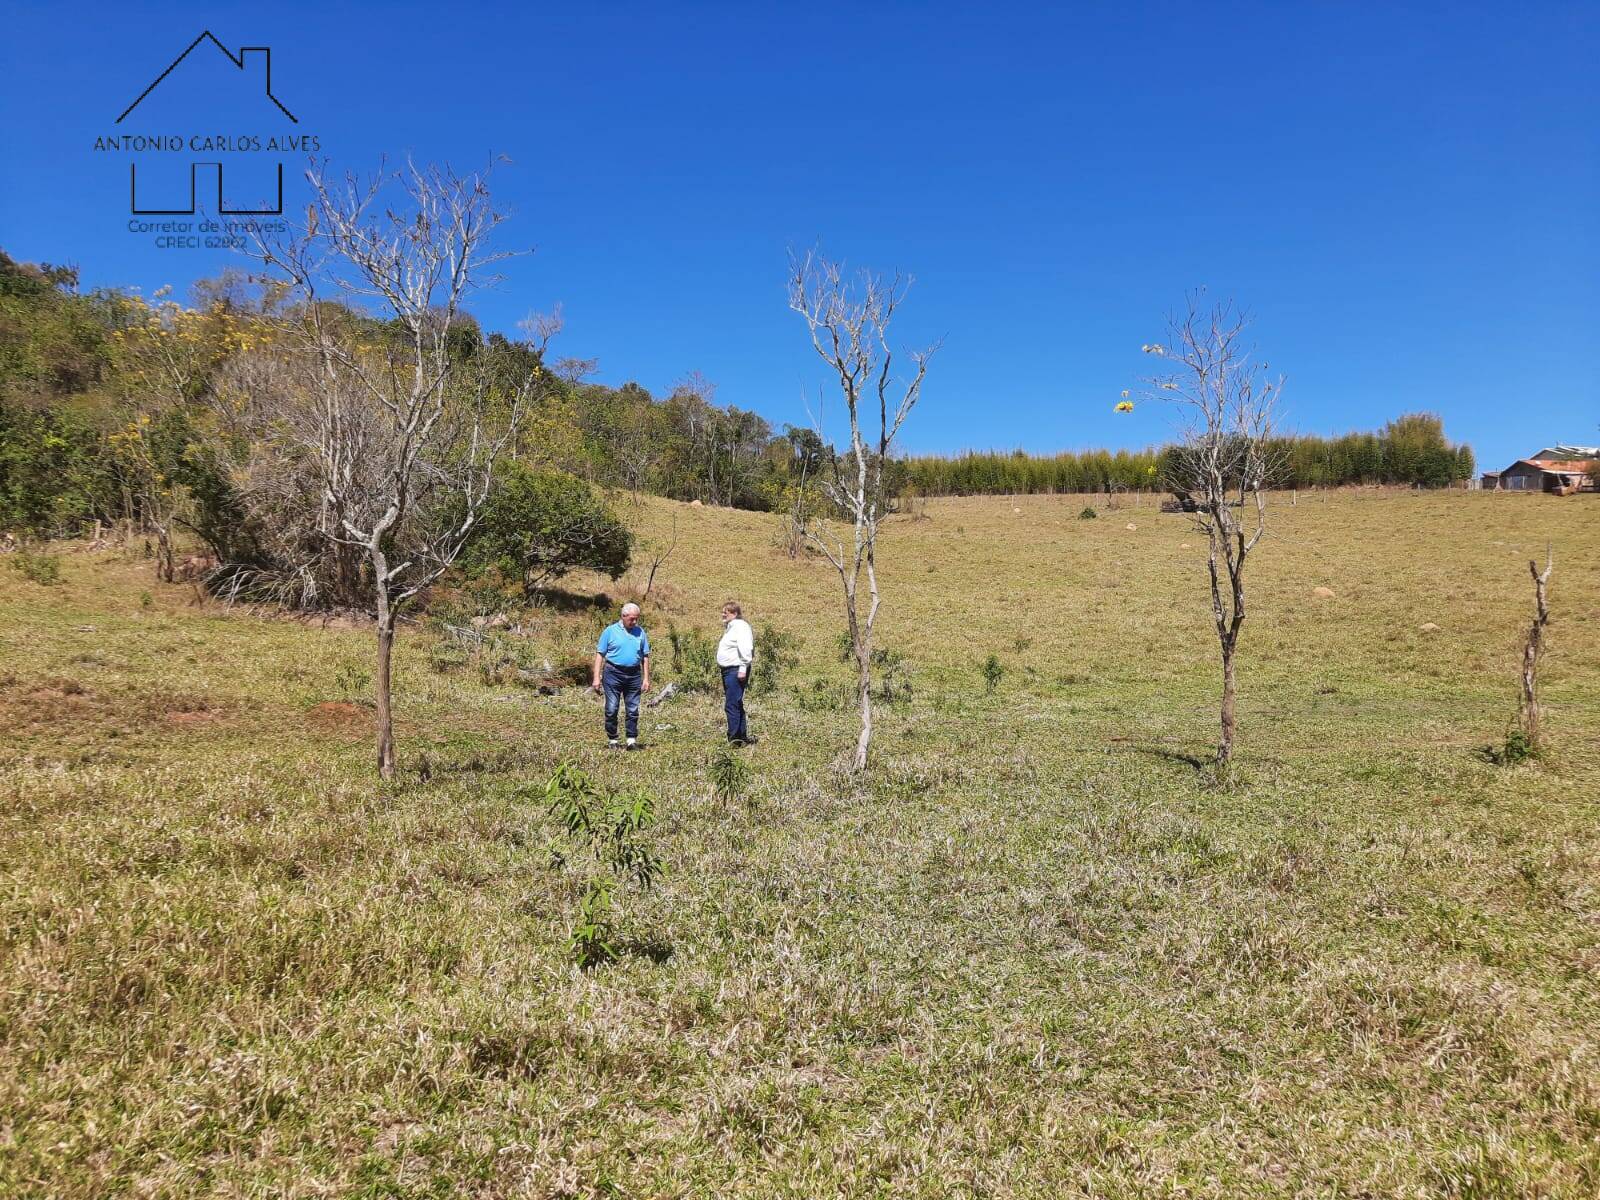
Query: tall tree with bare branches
(401, 419)
(848, 318)
(1223, 462)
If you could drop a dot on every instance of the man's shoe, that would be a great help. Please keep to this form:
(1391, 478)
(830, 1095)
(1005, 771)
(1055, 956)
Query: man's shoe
(736, 742)
(632, 745)
(613, 744)
(750, 739)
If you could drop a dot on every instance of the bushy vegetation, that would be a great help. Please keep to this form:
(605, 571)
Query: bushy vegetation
(1409, 450)
(541, 525)
(776, 653)
(694, 659)
(604, 830)
(40, 567)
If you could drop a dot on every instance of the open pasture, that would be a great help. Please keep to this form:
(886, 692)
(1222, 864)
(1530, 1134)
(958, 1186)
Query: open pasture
(1034, 953)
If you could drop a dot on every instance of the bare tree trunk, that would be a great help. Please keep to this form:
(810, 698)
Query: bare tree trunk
(861, 645)
(864, 741)
(1225, 744)
(166, 572)
(382, 675)
(1531, 652)
(1224, 460)
(380, 689)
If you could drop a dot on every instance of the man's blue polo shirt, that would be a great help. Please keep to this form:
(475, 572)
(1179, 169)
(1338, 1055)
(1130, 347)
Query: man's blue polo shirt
(621, 648)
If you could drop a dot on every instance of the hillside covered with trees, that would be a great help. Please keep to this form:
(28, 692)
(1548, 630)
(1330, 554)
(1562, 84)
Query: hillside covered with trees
(116, 408)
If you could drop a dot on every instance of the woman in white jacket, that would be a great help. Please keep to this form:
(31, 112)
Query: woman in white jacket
(735, 652)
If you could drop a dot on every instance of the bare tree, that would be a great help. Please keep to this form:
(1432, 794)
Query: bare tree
(402, 418)
(848, 319)
(696, 396)
(807, 455)
(164, 358)
(1222, 462)
(1528, 714)
(659, 557)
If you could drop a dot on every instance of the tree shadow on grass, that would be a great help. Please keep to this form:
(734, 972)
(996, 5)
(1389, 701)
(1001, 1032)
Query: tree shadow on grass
(656, 952)
(1197, 762)
(562, 601)
(494, 761)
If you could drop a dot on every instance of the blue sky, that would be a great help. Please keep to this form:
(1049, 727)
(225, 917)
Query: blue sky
(1406, 197)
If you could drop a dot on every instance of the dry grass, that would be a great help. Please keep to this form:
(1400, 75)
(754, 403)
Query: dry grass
(1035, 955)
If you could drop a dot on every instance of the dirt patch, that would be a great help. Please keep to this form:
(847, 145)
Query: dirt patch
(192, 717)
(338, 714)
(65, 708)
(51, 703)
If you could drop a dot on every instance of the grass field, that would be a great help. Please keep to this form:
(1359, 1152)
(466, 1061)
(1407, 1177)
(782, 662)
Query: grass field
(1034, 953)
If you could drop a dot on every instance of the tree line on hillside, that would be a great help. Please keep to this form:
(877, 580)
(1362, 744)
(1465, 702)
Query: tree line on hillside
(110, 402)
(1411, 449)
(114, 408)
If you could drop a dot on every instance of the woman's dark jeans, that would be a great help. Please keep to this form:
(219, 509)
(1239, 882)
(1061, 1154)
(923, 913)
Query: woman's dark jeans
(733, 703)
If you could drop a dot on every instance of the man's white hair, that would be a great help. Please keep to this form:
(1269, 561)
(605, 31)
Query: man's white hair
(630, 607)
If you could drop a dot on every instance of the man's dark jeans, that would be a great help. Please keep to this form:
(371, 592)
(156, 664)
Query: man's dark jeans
(733, 703)
(622, 684)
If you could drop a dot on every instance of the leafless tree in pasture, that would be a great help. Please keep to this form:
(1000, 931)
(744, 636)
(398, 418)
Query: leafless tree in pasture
(658, 557)
(848, 318)
(387, 396)
(1223, 461)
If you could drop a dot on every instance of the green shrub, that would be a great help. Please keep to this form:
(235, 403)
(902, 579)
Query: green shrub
(729, 773)
(846, 649)
(594, 935)
(1087, 513)
(993, 672)
(894, 677)
(43, 569)
(539, 525)
(605, 827)
(694, 659)
(823, 696)
(351, 680)
(1517, 748)
(775, 654)
(891, 669)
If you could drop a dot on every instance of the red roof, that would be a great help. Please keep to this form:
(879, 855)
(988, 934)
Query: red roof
(1578, 466)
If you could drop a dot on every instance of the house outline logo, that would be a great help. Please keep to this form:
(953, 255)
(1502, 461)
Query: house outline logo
(239, 62)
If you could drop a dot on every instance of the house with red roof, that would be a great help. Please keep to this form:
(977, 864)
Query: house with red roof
(1561, 469)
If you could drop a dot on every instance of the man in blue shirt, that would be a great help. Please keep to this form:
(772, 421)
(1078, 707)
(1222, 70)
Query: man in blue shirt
(622, 668)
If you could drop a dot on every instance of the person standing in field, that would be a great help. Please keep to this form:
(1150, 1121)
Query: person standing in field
(622, 670)
(735, 652)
